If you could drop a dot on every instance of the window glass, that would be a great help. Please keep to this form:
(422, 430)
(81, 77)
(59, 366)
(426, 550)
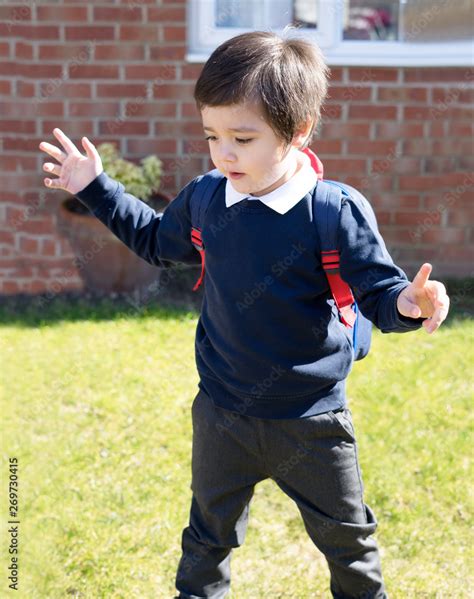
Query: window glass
(408, 20)
(274, 14)
(437, 20)
(371, 20)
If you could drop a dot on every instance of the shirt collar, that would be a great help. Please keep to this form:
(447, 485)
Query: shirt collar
(284, 197)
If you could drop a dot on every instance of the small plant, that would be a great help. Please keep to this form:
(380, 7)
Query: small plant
(141, 181)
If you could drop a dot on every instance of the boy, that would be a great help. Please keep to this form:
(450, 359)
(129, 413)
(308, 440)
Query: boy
(271, 400)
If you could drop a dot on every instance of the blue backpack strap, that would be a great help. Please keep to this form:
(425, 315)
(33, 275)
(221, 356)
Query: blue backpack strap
(203, 192)
(327, 201)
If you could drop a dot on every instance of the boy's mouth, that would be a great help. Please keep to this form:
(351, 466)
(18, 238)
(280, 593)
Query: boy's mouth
(234, 175)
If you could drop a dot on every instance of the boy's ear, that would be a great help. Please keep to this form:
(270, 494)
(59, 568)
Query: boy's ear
(302, 134)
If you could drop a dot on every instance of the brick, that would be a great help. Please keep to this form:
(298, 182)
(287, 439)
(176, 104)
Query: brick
(36, 71)
(178, 128)
(398, 130)
(349, 93)
(142, 147)
(437, 128)
(71, 127)
(28, 245)
(91, 32)
(443, 235)
(153, 109)
(323, 147)
(347, 165)
(121, 90)
(331, 111)
(7, 237)
(174, 34)
(368, 147)
(142, 33)
(173, 91)
(14, 14)
(29, 32)
(417, 147)
(461, 218)
(155, 73)
(336, 74)
(455, 112)
(22, 126)
(122, 52)
(345, 130)
(5, 88)
(372, 112)
(66, 89)
(397, 235)
(48, 247)
(62, 52)
(92, 109)
(125, 128)
(415, 218)
(461, 129)
(26, 109)
(37, 226)
(402, 94)
(373, 74)
(190, 72)
(399, 165)
(451, 146)
(61, 13)
(167, 52)
(4, 49)
(94, 71)
(9, 287)
(23, 51)
(189, 110)
(439, 164)
(420, 183)
(166, 14)
(438, 74)
(25, 89)
(131, 12)
(195, 147)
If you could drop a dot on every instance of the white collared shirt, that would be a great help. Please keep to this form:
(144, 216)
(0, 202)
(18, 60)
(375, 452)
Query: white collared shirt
(284, 197)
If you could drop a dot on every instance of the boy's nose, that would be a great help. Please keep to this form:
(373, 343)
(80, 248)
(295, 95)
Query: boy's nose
(228, 156)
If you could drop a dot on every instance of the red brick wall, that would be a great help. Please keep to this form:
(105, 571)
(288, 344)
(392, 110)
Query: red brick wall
(116, 71)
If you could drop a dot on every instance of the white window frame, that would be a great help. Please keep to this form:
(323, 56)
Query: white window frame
(204, 37)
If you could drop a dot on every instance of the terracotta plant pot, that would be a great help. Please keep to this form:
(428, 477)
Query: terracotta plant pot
(105, 264)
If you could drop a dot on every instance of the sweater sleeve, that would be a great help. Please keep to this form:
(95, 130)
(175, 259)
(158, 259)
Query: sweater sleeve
(162, 239)
(368, 268)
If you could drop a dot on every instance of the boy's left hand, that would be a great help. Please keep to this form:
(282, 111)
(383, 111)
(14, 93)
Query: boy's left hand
(424, 299)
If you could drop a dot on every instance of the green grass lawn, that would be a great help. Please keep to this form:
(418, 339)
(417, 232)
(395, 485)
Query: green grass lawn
(96, 407)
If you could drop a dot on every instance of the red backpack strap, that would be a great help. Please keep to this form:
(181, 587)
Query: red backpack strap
(340, 290)
(196, 240)
(326, 213)
(203, 192)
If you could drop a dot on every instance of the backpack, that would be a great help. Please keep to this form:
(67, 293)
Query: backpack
(327, 201)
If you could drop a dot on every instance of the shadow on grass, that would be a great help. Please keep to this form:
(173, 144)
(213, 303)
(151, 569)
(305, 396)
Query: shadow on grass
(174, 300)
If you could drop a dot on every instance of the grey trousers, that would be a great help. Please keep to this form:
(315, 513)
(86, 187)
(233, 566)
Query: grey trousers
(313, 460)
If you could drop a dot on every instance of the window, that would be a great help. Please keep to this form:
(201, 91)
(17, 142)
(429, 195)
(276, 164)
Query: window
(365, 32)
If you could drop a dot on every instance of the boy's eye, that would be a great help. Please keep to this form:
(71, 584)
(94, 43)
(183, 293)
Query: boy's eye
(237, 139)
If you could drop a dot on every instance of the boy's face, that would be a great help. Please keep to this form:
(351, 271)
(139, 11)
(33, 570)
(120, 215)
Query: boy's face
(245, 149)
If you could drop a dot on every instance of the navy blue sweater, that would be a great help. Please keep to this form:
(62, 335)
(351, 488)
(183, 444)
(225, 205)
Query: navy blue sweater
(269, 342)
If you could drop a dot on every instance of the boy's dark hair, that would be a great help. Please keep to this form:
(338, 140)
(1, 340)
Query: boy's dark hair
(287, 77)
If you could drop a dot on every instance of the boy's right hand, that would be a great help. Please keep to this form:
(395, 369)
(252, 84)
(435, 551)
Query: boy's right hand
(74, 171)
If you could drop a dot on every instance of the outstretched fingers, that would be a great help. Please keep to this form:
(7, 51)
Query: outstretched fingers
(53, 151)
(65, 141)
